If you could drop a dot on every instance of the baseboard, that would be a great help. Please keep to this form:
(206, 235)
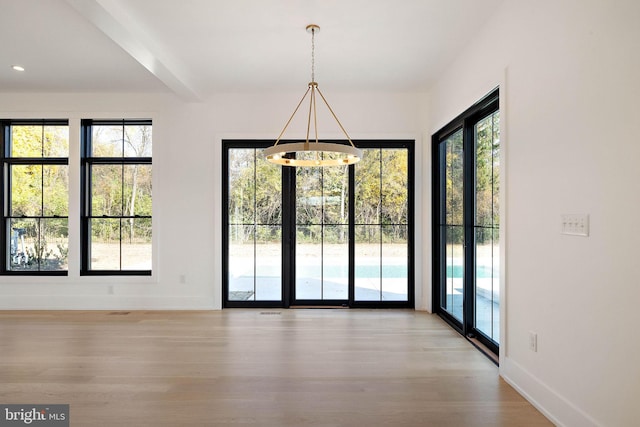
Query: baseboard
(105, 302)
(554, 406)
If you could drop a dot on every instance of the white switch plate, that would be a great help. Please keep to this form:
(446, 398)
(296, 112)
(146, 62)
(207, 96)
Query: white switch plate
(575, 224)
(533, 341)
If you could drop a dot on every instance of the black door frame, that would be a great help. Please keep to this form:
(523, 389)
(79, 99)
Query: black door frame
(288, 232)
(465, 122)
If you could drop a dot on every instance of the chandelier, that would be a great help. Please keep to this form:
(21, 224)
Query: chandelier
(313, 152)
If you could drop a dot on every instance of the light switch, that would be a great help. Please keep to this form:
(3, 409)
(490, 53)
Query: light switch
(575, 224)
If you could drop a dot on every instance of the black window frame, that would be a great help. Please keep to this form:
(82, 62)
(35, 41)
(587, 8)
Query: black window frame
(87, 161)
(5, 190)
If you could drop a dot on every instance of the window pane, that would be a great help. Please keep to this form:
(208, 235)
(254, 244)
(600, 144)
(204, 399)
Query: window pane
(454, 179)
(56, 141)
(106, 141)
(335, 195)
(26, 190)
(395, 258)
(395, 181)
(308, 196)
(487, 171)
(24, 237)
(26, 141)
(242, 186)
(335, 262)
(106, 190)
(137, 141)
(137, 190)
(56, 190)
(105, 244)
(496, 168)
(487, 282)
(454, 283)
(309, 262)
(368, 191)
(368, 284)
(268, 191)
(255, 217)
(268, 263)
(39, 244)
(241, 263)
(54, 248)
(136, 244)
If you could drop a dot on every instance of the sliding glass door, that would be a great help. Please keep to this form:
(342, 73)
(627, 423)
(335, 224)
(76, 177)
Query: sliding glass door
(332, 236)
(321, 235)
(466, 176)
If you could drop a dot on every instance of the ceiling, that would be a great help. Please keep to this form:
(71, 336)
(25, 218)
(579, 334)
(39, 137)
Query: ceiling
(196, 48)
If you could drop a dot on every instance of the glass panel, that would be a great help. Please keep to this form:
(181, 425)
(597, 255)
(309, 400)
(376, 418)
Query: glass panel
(487, 281)
(335, 195)
(487, 171)
(26, 141)
(451, 229)
(137, 141)
(395, 190)
(255, 232)
(268, 192)
(137, 190)
(25, 235)
(487, 220)
(106, 190)
(381, 251)
(106, 141)
(395, 258)
(241, 263)
(54, 249)
(368, 283)
(105, 244)
(56, 141)
(368, 191)
(309, 198)
(136, 244)
(56, 190)
(242, 186)
(454, 179)
(335, 262)
(268, 263)
(496, 168)
(26, 190)
(38, 244)
(309, 262)
(454, 278)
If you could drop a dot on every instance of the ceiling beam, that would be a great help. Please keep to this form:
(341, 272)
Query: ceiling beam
(120, 27)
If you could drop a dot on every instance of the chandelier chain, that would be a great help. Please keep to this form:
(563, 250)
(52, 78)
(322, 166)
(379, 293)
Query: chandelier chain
(313, 54)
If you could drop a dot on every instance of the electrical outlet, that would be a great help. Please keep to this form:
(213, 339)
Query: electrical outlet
(575, 224)
(533, 341)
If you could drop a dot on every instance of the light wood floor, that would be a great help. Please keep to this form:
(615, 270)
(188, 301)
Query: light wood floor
(254, 367)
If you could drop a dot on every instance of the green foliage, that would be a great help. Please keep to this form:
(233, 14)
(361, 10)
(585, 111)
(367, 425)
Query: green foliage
(487, 178)
(121, 190)
(39, 190)
(255, 191)
(28, 181)
(322, 203)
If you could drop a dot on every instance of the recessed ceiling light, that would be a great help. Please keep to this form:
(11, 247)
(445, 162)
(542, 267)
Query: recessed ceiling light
(17, 67)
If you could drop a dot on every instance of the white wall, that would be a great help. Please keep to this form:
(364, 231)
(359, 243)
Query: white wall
(568, 72)
(187, 194)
